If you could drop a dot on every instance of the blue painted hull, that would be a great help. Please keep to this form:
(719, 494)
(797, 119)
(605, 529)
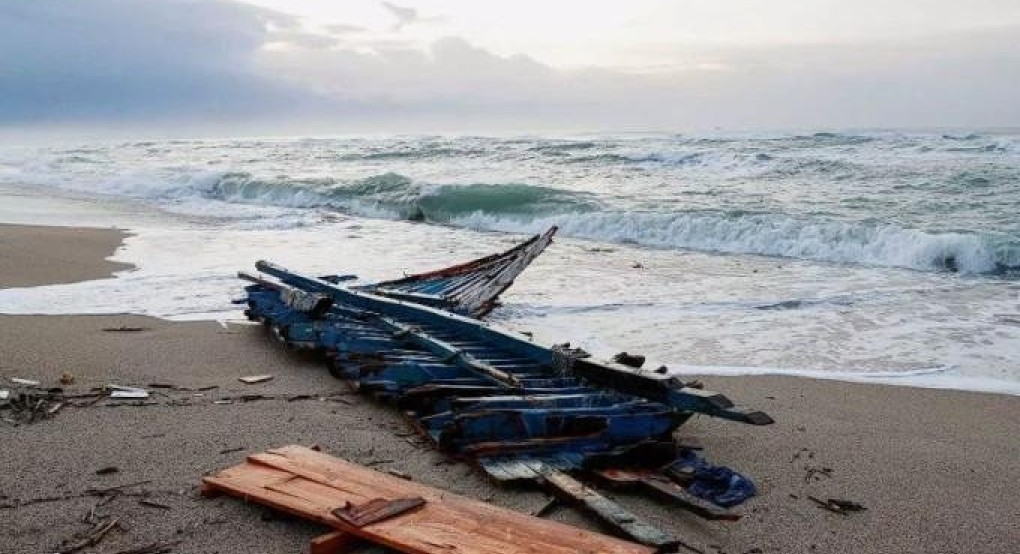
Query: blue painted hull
(476, 390)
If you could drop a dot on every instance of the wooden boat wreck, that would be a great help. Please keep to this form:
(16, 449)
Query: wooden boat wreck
(471, 288)
(520, 410)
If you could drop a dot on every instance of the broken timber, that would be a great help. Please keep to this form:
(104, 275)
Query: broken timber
(313, 485)
(486, 394)
(471, 288)
(609, 512)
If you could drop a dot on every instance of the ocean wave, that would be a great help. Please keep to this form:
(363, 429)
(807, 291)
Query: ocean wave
(831, 139)
(670, 158)
(414, 153)
(781, 236)
(520, 207)
(866, 198)
(555, 148)
(395, 196)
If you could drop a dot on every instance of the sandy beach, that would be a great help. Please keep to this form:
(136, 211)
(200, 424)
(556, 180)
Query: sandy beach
(34, 255)
(938, 471)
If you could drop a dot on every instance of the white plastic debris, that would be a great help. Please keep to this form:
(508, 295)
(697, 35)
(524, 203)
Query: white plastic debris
(118, 391)
(252, 379)
(27, 382)
(5, 394)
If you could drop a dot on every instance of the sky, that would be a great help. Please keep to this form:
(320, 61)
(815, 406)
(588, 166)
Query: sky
(317, 67)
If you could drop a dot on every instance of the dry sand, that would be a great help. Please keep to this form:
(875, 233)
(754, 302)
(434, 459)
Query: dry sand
(939, 471)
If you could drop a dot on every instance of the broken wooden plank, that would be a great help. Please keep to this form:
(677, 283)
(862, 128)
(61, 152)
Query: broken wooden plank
(668, 490)
(335, 542)
(377, 509)
(611, 513)
(311, 485)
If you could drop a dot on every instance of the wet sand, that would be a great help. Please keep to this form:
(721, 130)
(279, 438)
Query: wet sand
(937, 470)
(31, 255)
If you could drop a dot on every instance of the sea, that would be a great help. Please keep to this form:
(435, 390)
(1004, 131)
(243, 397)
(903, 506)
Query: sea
(876, 256)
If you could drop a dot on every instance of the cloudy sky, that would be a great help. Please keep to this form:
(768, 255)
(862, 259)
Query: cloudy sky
(309, 66)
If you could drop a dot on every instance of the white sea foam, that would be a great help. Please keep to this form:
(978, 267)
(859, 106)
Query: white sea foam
(525, 208)
(930, 378)
(824, 240)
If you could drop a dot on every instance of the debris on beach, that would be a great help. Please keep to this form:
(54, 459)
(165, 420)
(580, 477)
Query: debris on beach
(629, 360)
(400, 514)
(93, 537)
(158, 547)
(25, 382)
(815, 473)
(30, 407)
(153, 504)
(719, 485)
(376, 510)
(67, 378)
(253, 379)
(838, 506)
(124, 329)
(666, 490)
(520, 411)
(119, 391)
(106, 493)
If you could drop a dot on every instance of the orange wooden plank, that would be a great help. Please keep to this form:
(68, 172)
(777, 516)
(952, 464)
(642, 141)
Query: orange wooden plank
(453, 511)
(337, 542)
(311, 484)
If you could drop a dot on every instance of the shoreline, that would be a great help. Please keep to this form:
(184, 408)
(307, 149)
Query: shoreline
(43, 255)
(76, 253)
(935, 468)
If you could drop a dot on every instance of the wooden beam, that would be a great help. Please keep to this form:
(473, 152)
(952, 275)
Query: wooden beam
(611, 513)
(311, 485)
(336, 542)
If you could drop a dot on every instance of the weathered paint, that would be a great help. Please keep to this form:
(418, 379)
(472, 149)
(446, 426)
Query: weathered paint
(482, 392)
(471, 288)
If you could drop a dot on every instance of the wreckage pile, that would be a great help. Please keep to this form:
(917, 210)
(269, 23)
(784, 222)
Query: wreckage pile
(519, 410)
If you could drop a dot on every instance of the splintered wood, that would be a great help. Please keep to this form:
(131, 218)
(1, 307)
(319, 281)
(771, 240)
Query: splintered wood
(313, 485)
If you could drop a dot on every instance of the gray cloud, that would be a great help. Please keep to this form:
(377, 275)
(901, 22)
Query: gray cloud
(344, 29)
(177, 62)
(67, 60)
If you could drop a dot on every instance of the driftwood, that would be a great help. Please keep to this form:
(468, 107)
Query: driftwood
(124, 329)
(160, 547)
(97, 534)
(104, 492)
(838, 506)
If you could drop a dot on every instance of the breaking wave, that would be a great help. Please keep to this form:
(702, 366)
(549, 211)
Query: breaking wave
(516, 207)
(519, 207)
(781, 236)
(920, 201)
(398, 197)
